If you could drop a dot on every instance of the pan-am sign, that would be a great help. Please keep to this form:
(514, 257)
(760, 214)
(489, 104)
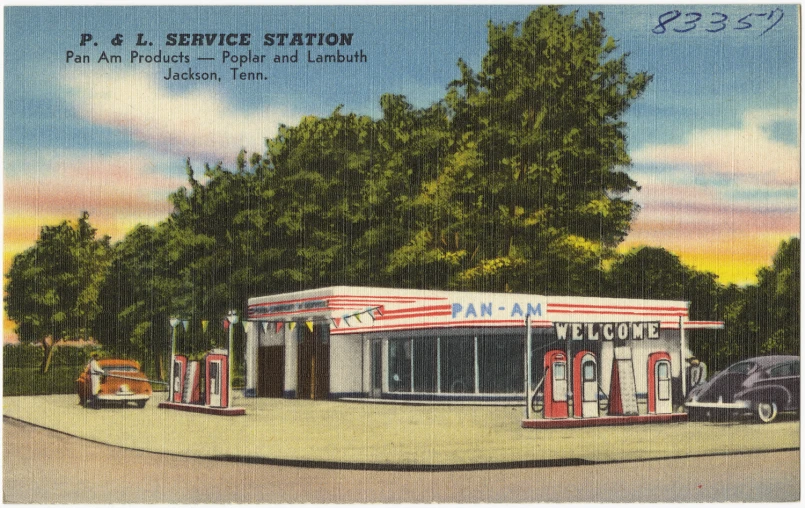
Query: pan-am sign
(608, 331)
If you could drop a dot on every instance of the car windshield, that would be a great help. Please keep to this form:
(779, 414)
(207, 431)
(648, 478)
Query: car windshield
(120, 368)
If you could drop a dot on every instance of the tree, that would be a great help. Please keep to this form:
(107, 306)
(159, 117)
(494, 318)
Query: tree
(655, 273)
(649, 273)
(539, 147)
(52, 289)
(141, 292)
(766, 320)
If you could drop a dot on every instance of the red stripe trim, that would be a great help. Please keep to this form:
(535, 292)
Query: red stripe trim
(619, 313)
(578, 306)
(514, 323)
(278, 314)
(428, 308)
(412, 316)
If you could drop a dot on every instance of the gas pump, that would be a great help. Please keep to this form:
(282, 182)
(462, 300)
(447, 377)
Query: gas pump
(217, 384)
(191, 393)
(555, 393)
(178, 372)
(659, 383)
(585, 385)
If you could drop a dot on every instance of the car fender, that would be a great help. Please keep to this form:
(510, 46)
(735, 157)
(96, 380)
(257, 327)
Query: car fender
(776, 394)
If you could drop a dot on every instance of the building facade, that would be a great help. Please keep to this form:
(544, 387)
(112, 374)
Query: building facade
(381, 343)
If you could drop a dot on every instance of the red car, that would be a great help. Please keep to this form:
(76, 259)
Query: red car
(122, 381)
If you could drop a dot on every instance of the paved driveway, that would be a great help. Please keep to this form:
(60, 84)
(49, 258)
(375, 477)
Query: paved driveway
(379, 436)
(41, 466)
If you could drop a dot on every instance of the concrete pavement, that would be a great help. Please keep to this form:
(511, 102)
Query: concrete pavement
(382, 436)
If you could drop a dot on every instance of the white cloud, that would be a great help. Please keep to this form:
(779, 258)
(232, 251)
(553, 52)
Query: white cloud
(197, 123)
(745, 156)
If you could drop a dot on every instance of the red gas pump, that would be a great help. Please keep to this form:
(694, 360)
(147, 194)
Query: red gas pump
(217, 382)
(585, 385)
(178, 373)
(191, 384)
(659, 383)
(555, 385)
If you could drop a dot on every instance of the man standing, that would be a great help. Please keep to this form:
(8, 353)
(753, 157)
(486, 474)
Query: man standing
(95, 373)
(697, 372)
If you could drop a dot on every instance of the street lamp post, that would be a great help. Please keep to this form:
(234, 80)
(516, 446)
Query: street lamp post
(174, 323)
(232, 317)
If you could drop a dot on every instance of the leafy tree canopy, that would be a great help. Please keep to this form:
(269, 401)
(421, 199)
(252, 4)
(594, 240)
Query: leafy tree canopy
(52, 288)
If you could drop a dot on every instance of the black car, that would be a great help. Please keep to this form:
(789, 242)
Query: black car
(762, 386)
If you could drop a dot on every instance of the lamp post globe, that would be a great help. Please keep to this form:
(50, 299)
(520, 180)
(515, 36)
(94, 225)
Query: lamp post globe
(232, 317)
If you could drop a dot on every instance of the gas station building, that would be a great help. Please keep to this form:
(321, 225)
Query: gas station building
(380, 343)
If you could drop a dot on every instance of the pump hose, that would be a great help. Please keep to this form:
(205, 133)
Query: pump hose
(118, 376)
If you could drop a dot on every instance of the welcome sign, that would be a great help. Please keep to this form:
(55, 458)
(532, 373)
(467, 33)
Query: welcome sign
(608, 331)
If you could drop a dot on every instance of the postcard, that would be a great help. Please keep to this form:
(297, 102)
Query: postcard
(401, 253)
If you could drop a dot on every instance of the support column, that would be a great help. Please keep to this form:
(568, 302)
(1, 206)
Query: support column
(252, 331)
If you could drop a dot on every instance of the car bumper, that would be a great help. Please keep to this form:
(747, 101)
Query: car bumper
(739, 404)
(119, 397)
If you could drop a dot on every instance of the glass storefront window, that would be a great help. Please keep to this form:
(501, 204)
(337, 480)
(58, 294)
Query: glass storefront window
(400, 365)
(425, 365)
(465, 364)
(458, 364)
(500, 364)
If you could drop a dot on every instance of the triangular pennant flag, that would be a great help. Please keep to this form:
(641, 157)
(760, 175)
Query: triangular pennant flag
(358, 317)
(336, 321)
(265, 326)
(204, 324)
(278, 326)
(346, 320)
(292, 325)
(309, 325)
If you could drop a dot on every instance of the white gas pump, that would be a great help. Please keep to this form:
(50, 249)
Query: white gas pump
(585, 385)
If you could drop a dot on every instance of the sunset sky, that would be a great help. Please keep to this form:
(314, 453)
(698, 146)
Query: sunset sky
(714, 140)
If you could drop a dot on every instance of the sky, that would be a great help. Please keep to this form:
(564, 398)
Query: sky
(714, 139)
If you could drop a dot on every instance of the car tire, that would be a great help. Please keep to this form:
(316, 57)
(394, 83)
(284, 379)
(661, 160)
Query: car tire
(766, 412)
(141, 403)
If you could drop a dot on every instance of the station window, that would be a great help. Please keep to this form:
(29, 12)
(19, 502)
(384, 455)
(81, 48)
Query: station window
(459, 364)
(500, 364)
(400, 365)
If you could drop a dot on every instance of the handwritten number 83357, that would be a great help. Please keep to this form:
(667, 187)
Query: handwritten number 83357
(687, 22)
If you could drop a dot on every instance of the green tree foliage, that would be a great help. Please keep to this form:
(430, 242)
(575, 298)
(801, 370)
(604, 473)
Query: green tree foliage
(765, 318)
(759, 319)
(542, 133)
(52, 290)
(654, 273)
(143, 289)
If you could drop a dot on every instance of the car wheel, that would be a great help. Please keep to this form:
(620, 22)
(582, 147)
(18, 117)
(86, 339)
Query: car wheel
(766, 412)
(141, 403)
